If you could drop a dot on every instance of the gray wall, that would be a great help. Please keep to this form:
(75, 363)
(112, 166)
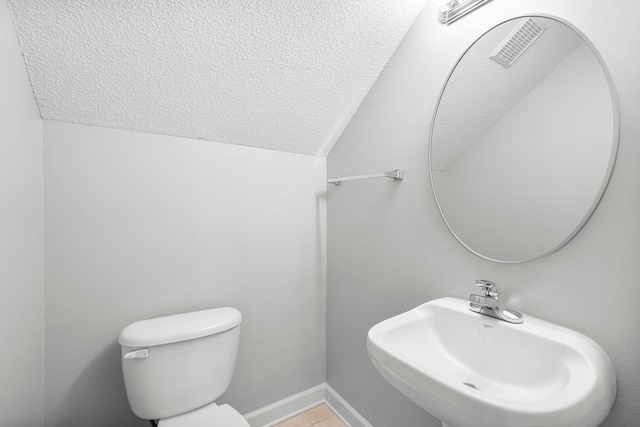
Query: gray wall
(389, 250)
(140, 225)
(21, 236)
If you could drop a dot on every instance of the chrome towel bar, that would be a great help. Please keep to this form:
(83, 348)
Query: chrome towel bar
(396, 174)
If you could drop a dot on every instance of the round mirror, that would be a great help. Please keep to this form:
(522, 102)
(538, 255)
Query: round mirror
(523, 140)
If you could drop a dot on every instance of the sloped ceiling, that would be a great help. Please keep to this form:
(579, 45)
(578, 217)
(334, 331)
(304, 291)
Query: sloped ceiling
(280, 74)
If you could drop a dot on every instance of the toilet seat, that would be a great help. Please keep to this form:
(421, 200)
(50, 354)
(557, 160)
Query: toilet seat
(211, 415)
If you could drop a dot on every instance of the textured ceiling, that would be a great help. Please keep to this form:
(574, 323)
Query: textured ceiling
(280, 74)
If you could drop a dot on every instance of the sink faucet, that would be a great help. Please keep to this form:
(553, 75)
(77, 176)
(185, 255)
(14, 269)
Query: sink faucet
(490, 303)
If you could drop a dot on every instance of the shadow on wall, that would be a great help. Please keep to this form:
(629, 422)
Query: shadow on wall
(321, 235)
(99, 395)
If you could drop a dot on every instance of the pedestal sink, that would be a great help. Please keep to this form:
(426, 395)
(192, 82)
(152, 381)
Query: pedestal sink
(471, 370)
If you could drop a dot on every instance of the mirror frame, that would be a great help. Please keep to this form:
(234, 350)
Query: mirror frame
(612, 157)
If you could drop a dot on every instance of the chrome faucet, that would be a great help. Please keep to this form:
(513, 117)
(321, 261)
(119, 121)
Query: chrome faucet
(490, 303)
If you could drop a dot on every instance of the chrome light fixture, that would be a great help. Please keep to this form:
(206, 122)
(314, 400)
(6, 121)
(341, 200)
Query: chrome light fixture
(450, 10)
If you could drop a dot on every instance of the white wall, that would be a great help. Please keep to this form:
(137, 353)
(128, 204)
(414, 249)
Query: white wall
(21, 236)
(389, 250)
(141, 225)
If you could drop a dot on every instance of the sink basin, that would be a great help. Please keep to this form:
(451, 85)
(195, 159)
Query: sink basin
(471, 370)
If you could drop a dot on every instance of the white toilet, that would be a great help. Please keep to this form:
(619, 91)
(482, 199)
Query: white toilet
(175, 367)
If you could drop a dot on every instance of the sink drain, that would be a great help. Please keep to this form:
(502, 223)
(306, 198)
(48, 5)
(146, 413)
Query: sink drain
(473, 386)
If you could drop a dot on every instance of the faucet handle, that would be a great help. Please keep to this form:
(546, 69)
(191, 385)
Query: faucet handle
(489, 289)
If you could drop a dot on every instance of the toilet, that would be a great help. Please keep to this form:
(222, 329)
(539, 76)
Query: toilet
(175, 367)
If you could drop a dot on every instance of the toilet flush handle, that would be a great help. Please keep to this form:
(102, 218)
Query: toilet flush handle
(137, 354)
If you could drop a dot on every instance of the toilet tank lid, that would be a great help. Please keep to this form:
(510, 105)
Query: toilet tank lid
(179, 327)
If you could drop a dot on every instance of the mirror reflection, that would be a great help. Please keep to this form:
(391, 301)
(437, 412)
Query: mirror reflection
(523, 140)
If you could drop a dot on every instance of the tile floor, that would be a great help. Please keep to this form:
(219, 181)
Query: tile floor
(320, 416)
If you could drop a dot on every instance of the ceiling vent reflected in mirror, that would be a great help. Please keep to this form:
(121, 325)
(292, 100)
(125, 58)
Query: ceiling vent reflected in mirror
(522, 36)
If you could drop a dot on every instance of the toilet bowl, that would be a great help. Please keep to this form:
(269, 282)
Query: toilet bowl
(175, 367)
(210, 415)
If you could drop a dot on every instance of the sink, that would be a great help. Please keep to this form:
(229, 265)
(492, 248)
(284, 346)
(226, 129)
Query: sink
(471, 370)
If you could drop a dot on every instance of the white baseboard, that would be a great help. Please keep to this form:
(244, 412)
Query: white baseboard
(343, 410)
(286, 408)
(293, 405)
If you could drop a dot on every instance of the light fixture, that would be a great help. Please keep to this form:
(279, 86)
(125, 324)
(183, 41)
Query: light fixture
(450, 10)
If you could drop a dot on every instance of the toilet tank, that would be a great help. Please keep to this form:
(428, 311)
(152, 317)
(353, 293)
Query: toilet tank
(174, 364)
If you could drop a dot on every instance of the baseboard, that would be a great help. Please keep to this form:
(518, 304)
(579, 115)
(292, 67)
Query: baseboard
(286, 408)
(343, 410)
(293, 405)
